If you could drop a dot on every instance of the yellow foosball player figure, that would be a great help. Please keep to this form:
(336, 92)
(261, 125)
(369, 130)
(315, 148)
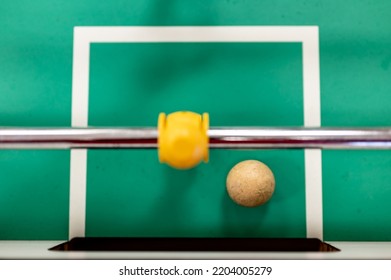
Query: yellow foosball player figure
(183, 139)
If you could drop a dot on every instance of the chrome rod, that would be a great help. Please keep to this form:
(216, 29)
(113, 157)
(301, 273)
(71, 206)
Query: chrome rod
(219, 137)
(300, 137)
(70, 138)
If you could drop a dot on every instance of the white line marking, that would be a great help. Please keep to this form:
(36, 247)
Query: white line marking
(313, 182)
(307, 35)
(80, 78)
(78, 169)
(121, 34)
(311, 78)
(77, 205)
(312, 115)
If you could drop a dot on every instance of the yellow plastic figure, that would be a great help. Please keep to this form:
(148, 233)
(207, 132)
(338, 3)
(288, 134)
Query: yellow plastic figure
(183, 139)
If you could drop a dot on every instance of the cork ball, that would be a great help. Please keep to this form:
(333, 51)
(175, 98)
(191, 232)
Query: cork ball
(250, 183)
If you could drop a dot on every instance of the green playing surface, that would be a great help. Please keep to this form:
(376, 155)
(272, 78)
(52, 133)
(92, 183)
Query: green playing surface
(239, 84)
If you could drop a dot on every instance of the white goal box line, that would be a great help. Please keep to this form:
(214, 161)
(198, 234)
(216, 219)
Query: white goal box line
(308, 36)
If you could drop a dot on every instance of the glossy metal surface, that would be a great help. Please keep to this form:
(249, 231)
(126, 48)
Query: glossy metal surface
(67, 138)
(230, 137)
(319, 138)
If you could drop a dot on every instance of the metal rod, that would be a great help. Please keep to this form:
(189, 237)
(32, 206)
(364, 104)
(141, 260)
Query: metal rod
(219, 137)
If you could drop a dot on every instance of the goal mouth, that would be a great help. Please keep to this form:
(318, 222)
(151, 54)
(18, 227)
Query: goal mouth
(172, 244)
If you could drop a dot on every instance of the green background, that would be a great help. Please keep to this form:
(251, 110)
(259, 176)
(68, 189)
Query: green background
(129, 193)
